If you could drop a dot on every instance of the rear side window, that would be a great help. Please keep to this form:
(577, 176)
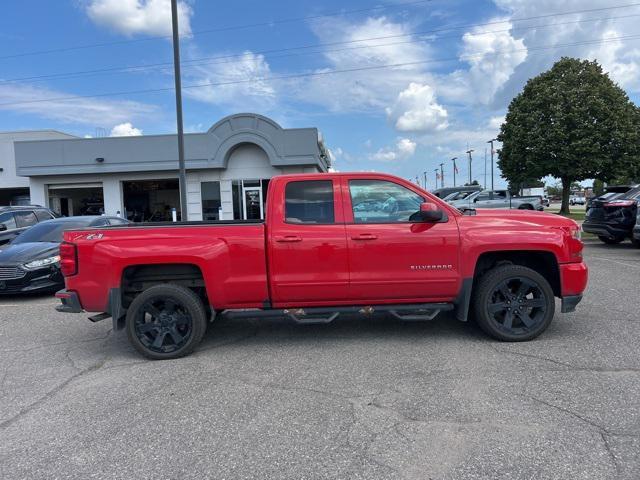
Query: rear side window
(25, 218)
(309, 201)
(43, 215)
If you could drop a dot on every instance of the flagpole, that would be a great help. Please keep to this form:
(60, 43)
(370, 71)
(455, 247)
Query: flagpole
(485, 168)
(455, 170)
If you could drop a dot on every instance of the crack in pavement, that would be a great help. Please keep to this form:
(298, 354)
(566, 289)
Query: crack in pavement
(57, 344)
(54, 391)
(569, 366)
(602, 431)
(50, 394)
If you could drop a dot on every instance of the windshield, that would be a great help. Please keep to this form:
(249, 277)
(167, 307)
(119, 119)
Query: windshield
(633, 194)
(458, 195)
(49, 231)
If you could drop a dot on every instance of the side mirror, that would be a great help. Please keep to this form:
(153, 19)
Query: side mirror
(429, 213)
(3, 227)
(475, 200)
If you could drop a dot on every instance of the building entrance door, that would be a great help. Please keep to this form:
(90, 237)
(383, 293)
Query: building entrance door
(252, 204)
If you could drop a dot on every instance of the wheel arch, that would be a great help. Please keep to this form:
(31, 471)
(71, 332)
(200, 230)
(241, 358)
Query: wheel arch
(542, 261)
(138, 277)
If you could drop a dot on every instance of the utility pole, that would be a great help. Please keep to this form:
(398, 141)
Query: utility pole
(182, 177)
(425, 179)
(491, 142)
(469, 152)
(436, 170)
(442, 175)
(455, 169)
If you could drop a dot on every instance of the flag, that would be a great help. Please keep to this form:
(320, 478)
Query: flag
(437, 176)
(455, 168)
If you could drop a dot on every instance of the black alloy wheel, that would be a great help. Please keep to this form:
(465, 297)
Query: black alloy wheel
(514, 303)
(166, 321)
(163, 326)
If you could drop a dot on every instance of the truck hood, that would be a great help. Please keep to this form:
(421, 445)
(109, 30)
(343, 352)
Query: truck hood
(523, 218)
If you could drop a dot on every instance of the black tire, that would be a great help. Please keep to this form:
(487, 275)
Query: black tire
(635, 242)
(166, 321)
(526, 206)
(513, 303)
(610, 241)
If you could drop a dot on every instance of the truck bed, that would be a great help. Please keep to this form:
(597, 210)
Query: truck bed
(230, 254)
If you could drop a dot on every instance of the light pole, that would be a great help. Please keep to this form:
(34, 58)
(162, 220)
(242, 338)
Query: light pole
(469, 152)
(436, 170)
(455, 170)
(441, 175)
(182, 182)
(491, 142)
(425, 179)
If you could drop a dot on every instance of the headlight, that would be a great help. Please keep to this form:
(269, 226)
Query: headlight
(43, 262)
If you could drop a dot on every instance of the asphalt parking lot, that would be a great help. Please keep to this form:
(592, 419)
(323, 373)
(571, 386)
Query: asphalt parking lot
(359, 398)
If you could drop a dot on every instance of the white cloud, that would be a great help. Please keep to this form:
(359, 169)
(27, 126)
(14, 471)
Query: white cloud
(125, 130)
(366, 90)
(492, 56)
(404, 148)
(416, 110)
(496, 122)
(80, 111)
(258, 94)
(131, 17)
(620, 58)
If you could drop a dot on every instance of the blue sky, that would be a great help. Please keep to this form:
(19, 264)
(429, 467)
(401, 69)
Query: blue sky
(457, 66)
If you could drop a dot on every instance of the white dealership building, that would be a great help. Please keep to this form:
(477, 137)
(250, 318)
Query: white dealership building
(228, 170)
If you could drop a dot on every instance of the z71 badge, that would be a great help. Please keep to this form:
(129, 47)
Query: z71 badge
(95, 236)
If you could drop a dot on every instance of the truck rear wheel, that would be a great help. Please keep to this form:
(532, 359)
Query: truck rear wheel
(166, 321)
(513, 303)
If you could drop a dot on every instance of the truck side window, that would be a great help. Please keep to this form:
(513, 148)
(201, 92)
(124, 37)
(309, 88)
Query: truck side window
(380, 201)
(309, 201)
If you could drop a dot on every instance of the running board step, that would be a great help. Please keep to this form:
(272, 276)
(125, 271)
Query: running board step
(324, 315)
(99, 317)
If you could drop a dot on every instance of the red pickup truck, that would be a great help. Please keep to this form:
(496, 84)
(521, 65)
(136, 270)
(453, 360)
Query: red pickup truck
(331, 244)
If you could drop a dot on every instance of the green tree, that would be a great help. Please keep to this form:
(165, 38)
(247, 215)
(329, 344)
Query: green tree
(573, 123)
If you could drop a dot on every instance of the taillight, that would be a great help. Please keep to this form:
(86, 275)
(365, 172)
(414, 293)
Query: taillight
(620, 203)
(68, 259)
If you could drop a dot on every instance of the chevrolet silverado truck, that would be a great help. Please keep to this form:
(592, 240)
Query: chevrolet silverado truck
(332, 243)
(496, 199)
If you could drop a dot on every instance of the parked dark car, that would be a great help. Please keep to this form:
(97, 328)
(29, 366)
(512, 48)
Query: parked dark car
(31, 262)
(446, 191)
(15, 220)
(612, 216)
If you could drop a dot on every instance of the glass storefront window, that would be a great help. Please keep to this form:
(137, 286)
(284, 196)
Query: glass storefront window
(211, 202)
(247, 197)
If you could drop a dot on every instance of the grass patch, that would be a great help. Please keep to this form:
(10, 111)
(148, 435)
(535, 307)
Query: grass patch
(575, 215)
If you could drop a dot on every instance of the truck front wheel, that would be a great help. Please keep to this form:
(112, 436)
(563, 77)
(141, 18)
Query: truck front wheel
(166, 321)
(513, 303)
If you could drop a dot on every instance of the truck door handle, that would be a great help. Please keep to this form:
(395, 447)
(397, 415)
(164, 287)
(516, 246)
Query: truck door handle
(365, 236)
(289, 239)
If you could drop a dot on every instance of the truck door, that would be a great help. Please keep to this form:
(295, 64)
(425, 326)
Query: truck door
(390, 257)
(307, 244)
